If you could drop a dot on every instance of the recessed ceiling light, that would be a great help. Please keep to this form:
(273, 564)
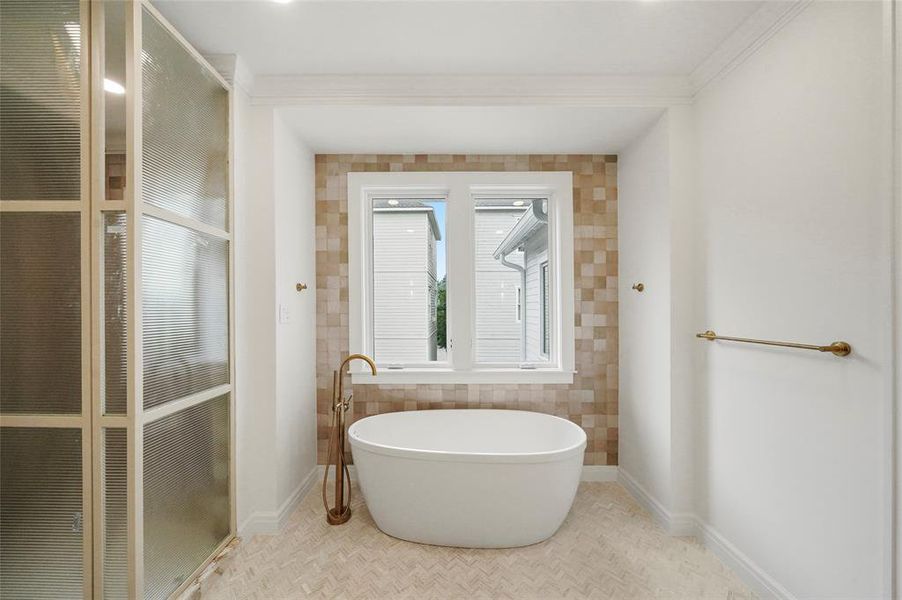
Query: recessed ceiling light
(499, 231)
(393, 203)
(281, 1)
(113, 87)
(519, 203)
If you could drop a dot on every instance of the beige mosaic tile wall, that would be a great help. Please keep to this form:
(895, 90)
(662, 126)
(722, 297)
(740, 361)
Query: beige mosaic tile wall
(591, 401)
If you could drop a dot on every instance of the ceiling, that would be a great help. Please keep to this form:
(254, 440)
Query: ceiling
(468, 129)
(460, 37)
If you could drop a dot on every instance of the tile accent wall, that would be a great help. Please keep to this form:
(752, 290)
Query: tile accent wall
(590, 402)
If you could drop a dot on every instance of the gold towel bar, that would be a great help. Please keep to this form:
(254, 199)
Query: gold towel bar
(837, 348)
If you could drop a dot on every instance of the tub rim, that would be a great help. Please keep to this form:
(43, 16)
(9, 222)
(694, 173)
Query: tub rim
(548, 456)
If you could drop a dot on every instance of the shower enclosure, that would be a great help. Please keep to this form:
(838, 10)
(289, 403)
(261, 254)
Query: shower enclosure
(116, 348)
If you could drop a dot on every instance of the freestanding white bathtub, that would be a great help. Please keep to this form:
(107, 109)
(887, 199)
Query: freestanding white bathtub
(472, 478)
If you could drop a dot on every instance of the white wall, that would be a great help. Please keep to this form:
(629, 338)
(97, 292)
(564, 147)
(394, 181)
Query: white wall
(255, 335)
(295, 262)
(794, 455)
(643, 215)
(276, 421)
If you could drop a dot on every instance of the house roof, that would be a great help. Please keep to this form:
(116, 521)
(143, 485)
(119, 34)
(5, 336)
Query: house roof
(530, 222)
(404, 205)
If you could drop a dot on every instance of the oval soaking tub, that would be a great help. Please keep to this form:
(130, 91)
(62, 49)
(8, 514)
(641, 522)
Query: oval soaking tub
(475, 478)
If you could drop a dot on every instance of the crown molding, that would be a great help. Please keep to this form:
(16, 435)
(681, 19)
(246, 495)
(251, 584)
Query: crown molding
(472, 90)
(751, 35)
(613, 91)
(233, 70)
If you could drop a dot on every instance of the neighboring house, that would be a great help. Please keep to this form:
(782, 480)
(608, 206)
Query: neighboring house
(404, 281)
(511, 278)
(498, 295)
(511, 282)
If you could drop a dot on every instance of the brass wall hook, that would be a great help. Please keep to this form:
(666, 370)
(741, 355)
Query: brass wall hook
(639, 287)
(301, 287)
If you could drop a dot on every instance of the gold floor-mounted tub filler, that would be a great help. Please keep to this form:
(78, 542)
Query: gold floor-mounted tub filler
(341, 511)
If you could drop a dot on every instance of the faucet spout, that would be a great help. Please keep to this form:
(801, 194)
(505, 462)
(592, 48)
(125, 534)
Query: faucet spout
(362, 357)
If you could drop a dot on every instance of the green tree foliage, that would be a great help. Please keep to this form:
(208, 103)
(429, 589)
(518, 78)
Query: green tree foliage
(440, 311)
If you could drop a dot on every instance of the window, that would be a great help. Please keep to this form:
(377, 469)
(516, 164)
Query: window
(546, 327)
(462, 277)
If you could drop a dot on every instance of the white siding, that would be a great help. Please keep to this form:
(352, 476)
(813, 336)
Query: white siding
(401, 241)
(497, 328)
(404, 350)
(536, 253)
(403, 287)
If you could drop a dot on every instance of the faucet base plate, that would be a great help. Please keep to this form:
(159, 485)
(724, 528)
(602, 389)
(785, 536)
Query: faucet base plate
(333, 517)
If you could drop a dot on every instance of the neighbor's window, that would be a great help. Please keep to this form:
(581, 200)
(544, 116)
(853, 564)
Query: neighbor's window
(462, 277)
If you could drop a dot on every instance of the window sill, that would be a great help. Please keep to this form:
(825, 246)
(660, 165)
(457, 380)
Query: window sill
(448, 376)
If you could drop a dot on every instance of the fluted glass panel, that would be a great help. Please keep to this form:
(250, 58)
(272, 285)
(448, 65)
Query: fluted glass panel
(41, 528)
(40, 312)
(115, 351)
(186, 317)
(186, 493)
(185, 124)
(40, 100)
(115, 514)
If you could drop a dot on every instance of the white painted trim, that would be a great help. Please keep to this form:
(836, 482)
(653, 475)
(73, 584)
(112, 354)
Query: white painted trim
(476, 376)
(599, 473)
(512, 90)
(272, 522)
(460, 190)
(893, 16)
(751, 35)
(233, 69)
(673, 524)
(472, 90)
(687, 524)
(754, 576)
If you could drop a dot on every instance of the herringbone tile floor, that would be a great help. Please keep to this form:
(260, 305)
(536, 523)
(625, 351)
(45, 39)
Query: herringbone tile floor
(608, 547)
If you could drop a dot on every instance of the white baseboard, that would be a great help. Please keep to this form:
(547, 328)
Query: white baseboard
(687, 524)
(599, 473)
(677, 524)
(754, 576)
(273, 522)
(673, 523)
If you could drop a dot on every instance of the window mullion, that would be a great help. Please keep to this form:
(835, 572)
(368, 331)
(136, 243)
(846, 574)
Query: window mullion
(460, 275)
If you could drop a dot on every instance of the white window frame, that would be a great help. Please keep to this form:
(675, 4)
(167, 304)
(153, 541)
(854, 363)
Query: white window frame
(544, 273)
(460, 192)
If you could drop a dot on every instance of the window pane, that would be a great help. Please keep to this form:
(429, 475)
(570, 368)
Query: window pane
(409, 281)
(185, 143)
(186, 493)
(511, 244)
(186, 311)
(41, 521)
(40, 100)
(114, 98)
(115, 513)
(40, 312)
(115, 349)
